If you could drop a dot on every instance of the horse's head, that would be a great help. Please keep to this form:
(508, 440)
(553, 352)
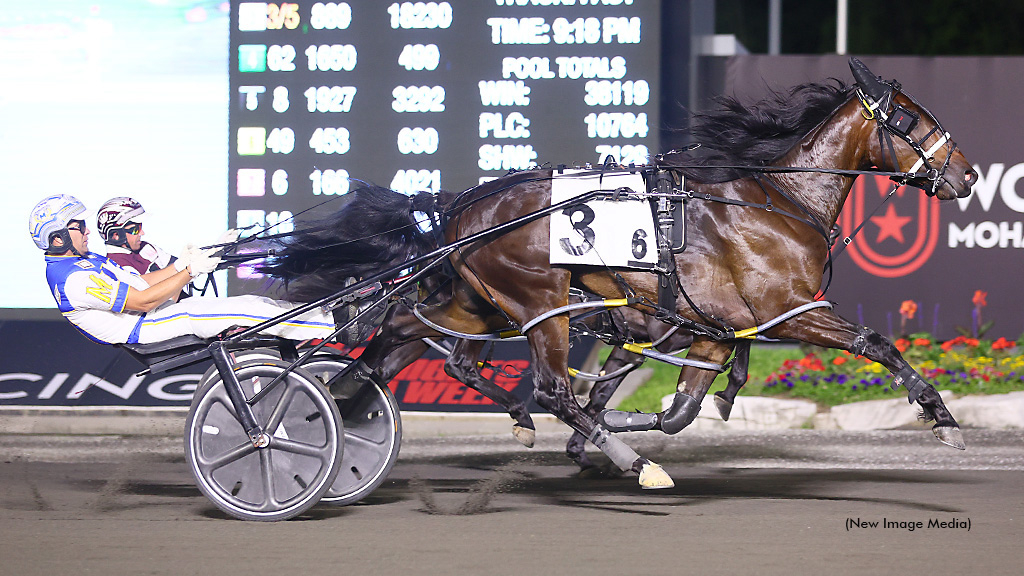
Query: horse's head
(911, 140)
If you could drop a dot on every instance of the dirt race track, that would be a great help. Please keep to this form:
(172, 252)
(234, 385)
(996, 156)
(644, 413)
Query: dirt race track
(744, 503)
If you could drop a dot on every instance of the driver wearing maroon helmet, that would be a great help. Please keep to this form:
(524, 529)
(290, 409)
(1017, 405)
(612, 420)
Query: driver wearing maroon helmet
(119, 222)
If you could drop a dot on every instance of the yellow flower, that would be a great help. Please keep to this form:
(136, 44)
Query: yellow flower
(874, 368)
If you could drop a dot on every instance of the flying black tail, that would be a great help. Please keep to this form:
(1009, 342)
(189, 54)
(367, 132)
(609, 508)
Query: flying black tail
(373, 231)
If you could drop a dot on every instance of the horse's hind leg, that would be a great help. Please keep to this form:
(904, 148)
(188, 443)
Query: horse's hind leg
(549, 353)
(396, 346)
(533, 290)
(825, 328)
(461, 313)
(738, 374)
(462, 365)
(600, 394)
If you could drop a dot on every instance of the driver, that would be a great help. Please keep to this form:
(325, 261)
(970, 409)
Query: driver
(112, 305)
(119, 222)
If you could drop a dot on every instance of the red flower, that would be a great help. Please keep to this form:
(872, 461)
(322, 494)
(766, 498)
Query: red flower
(839, 361)
(908, 308)
(811, 362)
(1002, 344)
(979, 298)
(924, 342)
(949, 344)
(902, 344)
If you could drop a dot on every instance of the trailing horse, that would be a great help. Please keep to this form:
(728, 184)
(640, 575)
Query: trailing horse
(759, 210)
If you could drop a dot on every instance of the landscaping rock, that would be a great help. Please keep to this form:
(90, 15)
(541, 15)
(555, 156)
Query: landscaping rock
(761, 413)
(824, 421)
(880, 414)
(996, 411)
(752, 413)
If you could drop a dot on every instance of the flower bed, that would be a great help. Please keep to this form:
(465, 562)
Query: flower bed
(967, 364)
(964, 365)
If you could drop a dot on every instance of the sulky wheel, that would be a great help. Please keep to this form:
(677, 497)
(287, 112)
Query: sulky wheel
(293, 471)
(238, 357)
(373, 434)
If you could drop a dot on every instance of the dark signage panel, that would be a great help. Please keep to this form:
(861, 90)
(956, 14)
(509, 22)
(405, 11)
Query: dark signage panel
(49, 364)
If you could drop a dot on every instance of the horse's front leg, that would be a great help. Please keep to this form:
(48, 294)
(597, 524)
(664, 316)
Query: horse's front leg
(462, 365)
(692, 387)
(825, 328)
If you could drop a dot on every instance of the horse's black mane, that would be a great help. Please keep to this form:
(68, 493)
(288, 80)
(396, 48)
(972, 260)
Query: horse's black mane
(735, 134)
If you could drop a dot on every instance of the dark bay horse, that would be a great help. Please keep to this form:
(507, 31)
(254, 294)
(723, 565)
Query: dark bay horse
(757, 242)
(400, 338)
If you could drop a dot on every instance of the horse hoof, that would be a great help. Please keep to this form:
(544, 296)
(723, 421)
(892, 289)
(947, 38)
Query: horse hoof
(950, 436)
(618, 421)
(525, 436)
(724, 407)
(654, 477)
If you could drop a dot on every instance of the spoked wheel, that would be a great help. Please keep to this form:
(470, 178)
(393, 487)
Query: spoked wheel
(293, 471)
(372, 427)
(373, 434)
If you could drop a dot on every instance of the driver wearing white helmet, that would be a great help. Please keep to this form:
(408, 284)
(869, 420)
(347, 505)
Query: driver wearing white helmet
(110, 304)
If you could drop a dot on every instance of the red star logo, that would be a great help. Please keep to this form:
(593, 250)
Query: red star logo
(890, 225)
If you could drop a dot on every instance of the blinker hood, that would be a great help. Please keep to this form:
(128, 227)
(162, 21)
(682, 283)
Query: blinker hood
(867, 81)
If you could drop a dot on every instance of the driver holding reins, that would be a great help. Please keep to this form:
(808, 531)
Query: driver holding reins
(112, 305)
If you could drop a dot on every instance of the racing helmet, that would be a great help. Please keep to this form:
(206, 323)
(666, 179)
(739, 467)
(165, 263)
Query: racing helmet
(50, 217)
(114, 215)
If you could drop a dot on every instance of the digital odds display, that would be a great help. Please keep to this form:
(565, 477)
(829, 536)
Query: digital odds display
(431, 95)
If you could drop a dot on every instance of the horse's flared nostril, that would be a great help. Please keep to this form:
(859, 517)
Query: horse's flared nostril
(970, 177)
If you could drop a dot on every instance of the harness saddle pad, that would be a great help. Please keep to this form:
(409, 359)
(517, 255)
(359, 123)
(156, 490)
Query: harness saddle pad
(602, 232)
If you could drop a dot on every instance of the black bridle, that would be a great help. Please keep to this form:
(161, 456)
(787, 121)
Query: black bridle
(892, 119)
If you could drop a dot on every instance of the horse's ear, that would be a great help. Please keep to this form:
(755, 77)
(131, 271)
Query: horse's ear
(868, 82)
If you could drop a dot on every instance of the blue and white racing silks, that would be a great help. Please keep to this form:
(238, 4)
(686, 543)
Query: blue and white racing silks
(91, 292)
